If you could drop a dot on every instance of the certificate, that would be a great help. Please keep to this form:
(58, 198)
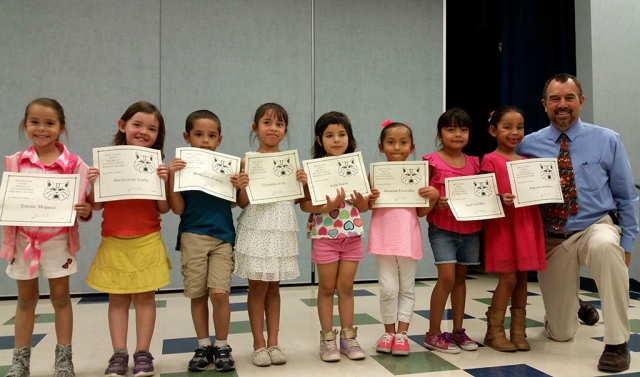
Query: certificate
(272, 177)
(535, 181)
(38, 199)
(474, 197)
(325, 175)
(207, 171)
(399, 182)
(127, 172)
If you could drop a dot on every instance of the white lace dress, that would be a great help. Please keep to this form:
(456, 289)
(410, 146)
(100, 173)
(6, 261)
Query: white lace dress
(267, 243)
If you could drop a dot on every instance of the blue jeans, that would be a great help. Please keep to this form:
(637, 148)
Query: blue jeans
(452, 247)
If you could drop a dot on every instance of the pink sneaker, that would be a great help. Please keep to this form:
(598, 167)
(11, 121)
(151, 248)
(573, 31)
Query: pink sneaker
(463, 341)
(400, 345)
(441, 342)
(385, 344)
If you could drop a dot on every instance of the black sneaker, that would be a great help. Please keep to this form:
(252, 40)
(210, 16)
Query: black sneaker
(223, 359)
(201, 359)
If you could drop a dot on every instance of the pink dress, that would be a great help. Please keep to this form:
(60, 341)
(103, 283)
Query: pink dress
(514, 242)
(396, 232)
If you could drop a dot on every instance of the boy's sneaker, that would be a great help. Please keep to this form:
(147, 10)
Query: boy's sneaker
(142, 364)
(20, 362)
(223, 360)
(400, 345)
(118, 365)
(201, 359)
(349, 344)
(328, 347)
(277, 356)
(385, 343)
(441, 342)
(63, 366)
(463, 341)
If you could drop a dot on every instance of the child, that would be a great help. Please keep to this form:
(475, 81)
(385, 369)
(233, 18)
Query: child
(510, 255)
(52, 249)
(334, 248)
(131, 262)
(205, 240)
(397, 257)
(266, 242)
(455, 244)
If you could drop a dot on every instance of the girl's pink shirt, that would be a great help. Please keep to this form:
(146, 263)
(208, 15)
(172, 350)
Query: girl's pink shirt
(28, 162)
(444, 218)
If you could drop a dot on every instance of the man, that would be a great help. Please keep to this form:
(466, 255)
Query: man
(599, 194)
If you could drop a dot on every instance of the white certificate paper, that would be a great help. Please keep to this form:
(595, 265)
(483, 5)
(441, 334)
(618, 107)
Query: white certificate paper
(325, 175)
(535, 181)
(207, 171)
(399, 182)
(272, 177)
(127, 172)
(474, 197)
(38, 199)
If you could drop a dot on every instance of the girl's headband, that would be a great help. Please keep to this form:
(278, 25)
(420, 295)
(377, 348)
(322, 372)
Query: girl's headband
(386, 123)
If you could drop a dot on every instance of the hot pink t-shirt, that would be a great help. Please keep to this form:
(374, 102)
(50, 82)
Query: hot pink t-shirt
(443, 218)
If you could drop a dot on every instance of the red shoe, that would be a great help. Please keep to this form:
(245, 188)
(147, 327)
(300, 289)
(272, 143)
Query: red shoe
(400, 345)
(385, 344)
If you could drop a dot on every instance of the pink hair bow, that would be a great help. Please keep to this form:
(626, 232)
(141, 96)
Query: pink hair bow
(386, 123)
(491, 114)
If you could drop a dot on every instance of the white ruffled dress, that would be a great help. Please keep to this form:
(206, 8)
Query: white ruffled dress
(267, 243)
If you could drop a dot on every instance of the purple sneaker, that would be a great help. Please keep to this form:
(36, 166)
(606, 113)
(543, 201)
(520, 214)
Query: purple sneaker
(441, 342)
(118, 365)
(463, 341)
(142, 364)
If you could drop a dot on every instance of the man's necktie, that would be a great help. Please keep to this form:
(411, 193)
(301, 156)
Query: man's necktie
(558, 213)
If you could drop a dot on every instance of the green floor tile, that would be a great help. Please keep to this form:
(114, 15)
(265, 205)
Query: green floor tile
(207, 373)
(159, 304)
(530, 323)
(591, 294)
(4, 369)
(635, 325)
(487, 301)
(40, 318)
(358, 319)
(416, 362)
(313, 302)
(242, 327)
(422, 284)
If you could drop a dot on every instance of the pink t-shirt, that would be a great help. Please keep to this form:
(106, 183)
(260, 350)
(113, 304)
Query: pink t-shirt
(395, 231)
(443, 218)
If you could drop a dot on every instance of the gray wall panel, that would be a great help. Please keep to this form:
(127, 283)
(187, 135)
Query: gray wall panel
(230, 57)
(376, 60)
(608, 52)
(95, 58)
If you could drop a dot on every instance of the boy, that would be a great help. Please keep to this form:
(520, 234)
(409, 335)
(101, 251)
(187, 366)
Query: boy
(205, 239)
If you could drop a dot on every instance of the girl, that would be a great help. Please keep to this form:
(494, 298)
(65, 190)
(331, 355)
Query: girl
(51, 249)
(397, 258)
(266, 247)
(336, 230)
(131, 262)
(505, 253)
(455, 244)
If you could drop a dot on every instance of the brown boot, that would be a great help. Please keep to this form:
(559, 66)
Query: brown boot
(495, 337)
(517, 331)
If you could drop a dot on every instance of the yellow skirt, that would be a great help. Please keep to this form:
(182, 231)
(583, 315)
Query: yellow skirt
(130, 265)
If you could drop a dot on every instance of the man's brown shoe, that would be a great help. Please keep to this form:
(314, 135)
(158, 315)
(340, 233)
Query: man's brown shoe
(615, 358)
(588, 313)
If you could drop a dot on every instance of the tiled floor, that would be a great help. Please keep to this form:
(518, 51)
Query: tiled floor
(174, 339)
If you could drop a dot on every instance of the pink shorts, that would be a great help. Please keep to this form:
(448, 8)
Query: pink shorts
(329, 250)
